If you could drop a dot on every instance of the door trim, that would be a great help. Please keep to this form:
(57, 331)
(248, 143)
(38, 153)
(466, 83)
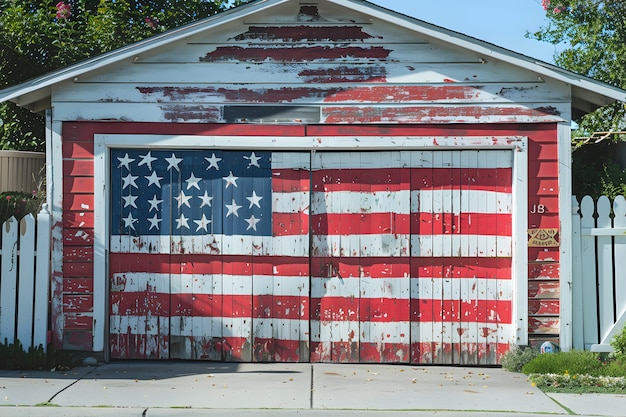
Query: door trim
(104, 142)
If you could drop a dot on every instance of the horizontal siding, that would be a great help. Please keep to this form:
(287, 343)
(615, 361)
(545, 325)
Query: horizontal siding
(326, 68)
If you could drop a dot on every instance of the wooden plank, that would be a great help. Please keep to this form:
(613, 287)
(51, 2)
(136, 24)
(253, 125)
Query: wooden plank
(578, 340)
(605, 268)
(588, 272)
(619, 221)
(310, 93)
(26, 281)
(8, 284)
(42, 279)
(307, 72)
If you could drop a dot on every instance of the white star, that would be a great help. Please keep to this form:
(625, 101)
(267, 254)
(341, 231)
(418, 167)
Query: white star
(173, 162)
(147, 159)
(232, 209)
(129, 200)
(154, 222)
(254, 200)
(254, 160)
(252, 221)
(213, 160)
(125, 161)
(183, 199)
(182, 221)
(130, 221)
(202, 223)
(206, 200)
(129, 180)
(231, 179)
(154, 204)
(154, 179)
(193, 182)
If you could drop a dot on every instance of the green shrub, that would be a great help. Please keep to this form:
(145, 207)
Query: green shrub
(19, 204)
(13, 356)
(575, 362)
(619, 344)
(515, 359)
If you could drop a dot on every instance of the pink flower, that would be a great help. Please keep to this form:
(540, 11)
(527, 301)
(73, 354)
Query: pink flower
(64, 11)
(8, 198)
(545, 4)
(152, 22)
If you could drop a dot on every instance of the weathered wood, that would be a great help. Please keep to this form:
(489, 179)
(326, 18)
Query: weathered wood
(24, 280)
(8, 282)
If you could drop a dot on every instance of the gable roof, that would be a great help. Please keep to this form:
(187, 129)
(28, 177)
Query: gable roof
(587, 93)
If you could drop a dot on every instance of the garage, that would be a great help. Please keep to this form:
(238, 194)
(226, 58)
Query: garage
(325, 256)
(310, 181)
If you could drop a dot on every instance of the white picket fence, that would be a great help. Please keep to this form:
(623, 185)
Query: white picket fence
(25, 279)
(598, 271)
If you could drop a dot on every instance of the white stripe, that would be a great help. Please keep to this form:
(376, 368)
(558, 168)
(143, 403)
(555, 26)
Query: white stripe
(207, 327)
(460, 333)
(365, 287)
(148, 325)
(297, 245)
(353, 245)
(291, 160)
(322, 331)
(414, 159)
(458, 246)
(213, 284)
(465, 290)
(291, 202)
(340, 202)
(461, 201)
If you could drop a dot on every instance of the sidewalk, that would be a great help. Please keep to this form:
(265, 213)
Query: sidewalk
(228, 389)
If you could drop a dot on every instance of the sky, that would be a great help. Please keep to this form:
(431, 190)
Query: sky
(501, 22)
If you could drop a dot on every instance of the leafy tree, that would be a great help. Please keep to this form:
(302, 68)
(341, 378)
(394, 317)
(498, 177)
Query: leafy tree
(595, 32)
(39, 37)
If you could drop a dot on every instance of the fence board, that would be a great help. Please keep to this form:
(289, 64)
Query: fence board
(578, 340)
(599, 253)
(8, 281)
(589, 286)
(24, 280)
(605, 266)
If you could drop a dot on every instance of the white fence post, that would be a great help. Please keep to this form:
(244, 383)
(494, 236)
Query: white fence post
(26, 281)
(578, 340)
(42, 278)
(589, 284)
(8, 281)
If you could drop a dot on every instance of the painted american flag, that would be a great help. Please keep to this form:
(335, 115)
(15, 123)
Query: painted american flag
(327, 256)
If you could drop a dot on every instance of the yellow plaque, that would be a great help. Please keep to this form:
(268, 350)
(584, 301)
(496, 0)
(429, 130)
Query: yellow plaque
(543, 238)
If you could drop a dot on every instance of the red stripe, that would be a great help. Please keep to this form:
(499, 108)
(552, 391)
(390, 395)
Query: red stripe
(275, 350)
(375, 267)
(486, 224)
(381, 310)
(475, 353)
(290, 180)
(456, 311)
(489, 268)
(399, 179)
(355, 179)
(360, 223)
(145, 304)
(290, 224)
(139, 346)
(121, 263)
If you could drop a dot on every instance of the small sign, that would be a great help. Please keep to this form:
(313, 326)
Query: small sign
(543, 238)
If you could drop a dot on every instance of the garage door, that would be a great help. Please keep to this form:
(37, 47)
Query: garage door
(323, 256)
